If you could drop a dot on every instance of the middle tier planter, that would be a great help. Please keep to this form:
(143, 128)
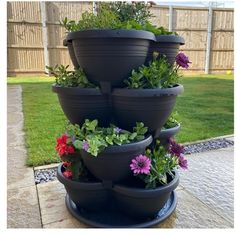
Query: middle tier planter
(113, 163)
(79, 104)
(150, 106)
(109, 56)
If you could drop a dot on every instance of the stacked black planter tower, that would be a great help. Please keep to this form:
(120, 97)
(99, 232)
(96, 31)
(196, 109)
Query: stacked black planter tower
(107, 58)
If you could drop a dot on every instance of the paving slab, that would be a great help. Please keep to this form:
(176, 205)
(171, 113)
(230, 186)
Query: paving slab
(22, 199)
(52, 203)
(211, 179)
(23, 208)
(192, 213)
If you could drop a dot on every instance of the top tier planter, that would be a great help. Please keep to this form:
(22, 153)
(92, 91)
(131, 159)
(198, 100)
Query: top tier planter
(70, 48)
(167, 45)
(108, 56)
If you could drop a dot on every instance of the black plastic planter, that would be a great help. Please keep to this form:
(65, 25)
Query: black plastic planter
(79, 104)
(69, 45)
(113, 164)
(166, 134)
(109, 56)
(150, 106)
(167, 45)
(91, 196)
(141, 202)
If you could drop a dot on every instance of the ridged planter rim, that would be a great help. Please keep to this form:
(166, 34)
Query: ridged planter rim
(76, 90)
(125, 92)
(170, 39)
(143, 193)
(111, 33)
(82, 185)
(125, 147)
(177, 127)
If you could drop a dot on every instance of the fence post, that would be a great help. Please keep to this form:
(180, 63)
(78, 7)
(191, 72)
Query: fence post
(94, 8)
(45, 35)
(170, 18)
(209, 34)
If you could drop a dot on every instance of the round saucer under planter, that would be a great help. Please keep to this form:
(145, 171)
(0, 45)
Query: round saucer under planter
(166, 134)
(113, 163)
(109, 56)
(70, 48)
(167, 45)
(91, 196)
(143, 203)
(79, 104)
(150, 106)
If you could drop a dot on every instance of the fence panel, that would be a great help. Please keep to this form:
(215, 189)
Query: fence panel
(25, 41)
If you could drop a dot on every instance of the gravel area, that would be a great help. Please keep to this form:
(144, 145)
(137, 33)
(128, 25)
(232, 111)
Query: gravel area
(46, 175)
(208, 145)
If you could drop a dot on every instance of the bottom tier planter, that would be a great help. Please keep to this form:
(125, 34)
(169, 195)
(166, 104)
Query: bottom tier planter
(90, 196)
(114, 218)
(143, 203)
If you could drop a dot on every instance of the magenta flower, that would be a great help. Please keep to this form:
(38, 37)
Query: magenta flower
(183, 163)
(182, 60)
(141, 165)
(175, 148)
(85, 146)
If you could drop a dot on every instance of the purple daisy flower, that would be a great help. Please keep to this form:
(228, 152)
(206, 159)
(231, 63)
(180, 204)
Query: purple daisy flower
(182, 60)
(117, 130)
(183, 163)
(85, 146)
(175, 148)
(141, 165)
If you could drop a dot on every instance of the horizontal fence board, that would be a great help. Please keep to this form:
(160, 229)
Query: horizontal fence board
(24, 34)
(27, 59)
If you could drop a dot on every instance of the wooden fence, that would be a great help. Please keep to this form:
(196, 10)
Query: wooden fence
(34, 39)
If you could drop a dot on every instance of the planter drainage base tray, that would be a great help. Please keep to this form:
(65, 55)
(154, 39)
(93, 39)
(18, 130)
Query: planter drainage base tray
(116, 219)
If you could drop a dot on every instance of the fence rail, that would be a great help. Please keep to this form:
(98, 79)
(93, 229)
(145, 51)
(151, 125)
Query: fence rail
(33, 42)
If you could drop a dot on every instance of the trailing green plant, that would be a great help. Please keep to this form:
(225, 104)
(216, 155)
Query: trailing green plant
(94, 139)
(66, 78)
(157, 74)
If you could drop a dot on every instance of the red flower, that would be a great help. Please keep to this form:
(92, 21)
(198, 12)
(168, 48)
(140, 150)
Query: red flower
(62, 148)
(67, 174)
(62, 139)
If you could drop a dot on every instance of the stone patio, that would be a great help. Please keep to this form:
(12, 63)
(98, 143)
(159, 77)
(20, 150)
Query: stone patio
(205, 194)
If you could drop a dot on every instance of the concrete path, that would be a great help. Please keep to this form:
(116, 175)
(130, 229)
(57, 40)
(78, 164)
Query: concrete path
(205, 194)
(22, 199)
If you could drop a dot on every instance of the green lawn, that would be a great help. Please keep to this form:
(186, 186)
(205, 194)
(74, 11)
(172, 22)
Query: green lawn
(205, 110)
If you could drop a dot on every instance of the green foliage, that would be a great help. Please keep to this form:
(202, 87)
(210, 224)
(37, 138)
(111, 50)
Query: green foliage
(105, 20)
(65, 78)
(116, 15)
(98, 138)
(158, 74)
(162, 165)
(137, 11)
(156, 30)
(172, 121)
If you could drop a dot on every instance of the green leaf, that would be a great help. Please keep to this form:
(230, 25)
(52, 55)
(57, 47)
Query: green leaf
(78, 144)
